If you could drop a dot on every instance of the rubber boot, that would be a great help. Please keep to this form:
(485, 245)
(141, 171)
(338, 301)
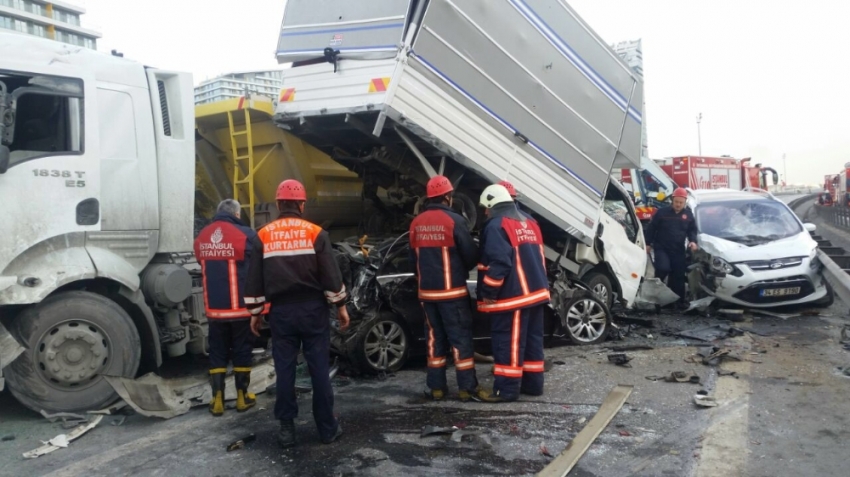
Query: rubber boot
(244, 399)
(286, 434)
(217, 376)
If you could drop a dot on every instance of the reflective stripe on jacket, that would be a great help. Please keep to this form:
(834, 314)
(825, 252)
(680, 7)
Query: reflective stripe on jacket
(296, 265)
(223, 250)
(513, 266)
(444, 252)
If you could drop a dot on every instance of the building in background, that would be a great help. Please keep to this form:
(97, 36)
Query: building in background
(235, 85)
(56, 20)
(632, 53)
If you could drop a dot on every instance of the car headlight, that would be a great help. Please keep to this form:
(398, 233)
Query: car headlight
(720, 265)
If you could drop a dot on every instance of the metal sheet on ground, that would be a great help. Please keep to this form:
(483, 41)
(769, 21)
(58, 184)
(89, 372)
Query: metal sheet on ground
(612, 404)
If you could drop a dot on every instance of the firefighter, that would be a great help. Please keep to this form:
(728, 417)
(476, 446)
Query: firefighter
(444, 253)
(512, 191)
(224, 249)
(296, 273)
(671, 227)
(512, 291)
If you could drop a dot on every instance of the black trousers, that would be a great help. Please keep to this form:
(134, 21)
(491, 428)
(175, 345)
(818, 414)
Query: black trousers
(671, 265)
(230, 340)
(308, 324)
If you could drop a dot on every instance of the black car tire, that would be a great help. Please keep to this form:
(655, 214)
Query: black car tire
(382, 344)
(587, 320)
(72, 329)
(598, 281)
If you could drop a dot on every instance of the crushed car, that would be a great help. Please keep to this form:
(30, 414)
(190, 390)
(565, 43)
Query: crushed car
(387, 322)
(754, 251)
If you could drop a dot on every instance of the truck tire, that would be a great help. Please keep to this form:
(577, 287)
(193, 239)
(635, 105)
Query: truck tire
(71, 340)
(600, 284)
(382, 344)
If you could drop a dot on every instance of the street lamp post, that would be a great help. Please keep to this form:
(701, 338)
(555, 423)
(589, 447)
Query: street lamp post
(784, 170)
(699, 134)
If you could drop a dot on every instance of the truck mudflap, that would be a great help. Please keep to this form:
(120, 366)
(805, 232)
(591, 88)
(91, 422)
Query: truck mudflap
(10, 349)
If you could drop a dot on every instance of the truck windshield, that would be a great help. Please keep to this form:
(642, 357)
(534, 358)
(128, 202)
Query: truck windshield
(750, 222)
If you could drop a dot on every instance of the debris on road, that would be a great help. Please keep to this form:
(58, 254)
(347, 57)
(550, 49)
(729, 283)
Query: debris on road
(732, 314)
(700, 305)
(625, 434)
(630, 348)
(676, 377)
(620, 359)
(612, 404)
(62, 440)
(634, 320)
(111, 409)
(62, 416)
(702, 399)
(240, 443)
(434, 430)
(654, 292)
(119, 421)
(544, 450)
(7, 438)
(712, 356)
(708, 333)
(153, 396)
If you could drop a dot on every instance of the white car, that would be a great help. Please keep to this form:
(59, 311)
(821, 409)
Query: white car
(759, 253)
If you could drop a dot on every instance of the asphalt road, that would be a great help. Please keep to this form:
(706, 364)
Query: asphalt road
(784, 414)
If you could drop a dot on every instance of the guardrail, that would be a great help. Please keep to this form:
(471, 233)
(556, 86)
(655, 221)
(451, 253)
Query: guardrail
(836, 262)
(835, 215)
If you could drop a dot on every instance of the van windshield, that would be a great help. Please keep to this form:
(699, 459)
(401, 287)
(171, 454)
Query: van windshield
(750, 222)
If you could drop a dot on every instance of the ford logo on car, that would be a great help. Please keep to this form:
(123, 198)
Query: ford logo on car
(775, 265)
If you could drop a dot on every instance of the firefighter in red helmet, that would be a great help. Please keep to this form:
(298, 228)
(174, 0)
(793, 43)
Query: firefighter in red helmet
(444, 253)
(512, 192)
(670, 229)
(294, 270)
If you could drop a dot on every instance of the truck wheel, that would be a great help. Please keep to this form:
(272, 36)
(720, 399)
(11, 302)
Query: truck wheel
(466, 207)
(587, 319)
(600, 284)
(382, 344)
(72, 339)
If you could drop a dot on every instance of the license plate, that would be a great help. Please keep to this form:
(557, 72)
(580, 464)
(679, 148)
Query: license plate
(780, 291)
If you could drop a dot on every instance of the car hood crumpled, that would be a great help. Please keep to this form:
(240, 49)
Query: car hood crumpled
(800, 245)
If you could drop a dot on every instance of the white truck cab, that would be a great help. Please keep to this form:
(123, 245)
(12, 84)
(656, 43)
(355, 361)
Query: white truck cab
(97, 180)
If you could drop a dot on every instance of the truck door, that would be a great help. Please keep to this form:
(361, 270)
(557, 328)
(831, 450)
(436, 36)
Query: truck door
(50, 180)
(623, 242)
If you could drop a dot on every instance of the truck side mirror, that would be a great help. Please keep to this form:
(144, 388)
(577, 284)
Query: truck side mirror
(4, 159)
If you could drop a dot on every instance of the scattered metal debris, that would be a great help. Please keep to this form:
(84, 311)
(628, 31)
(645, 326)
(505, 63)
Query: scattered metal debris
(7, 438)
(654, 292)
(119, 421)
(111, 409)
(676, 377)
(434, 430)
(625, 433)
(631, 348)
(240, 443)
(635, 320)
(700, 305)
(704, 400)
(562, 464)
(708, 333)
(620, 359)
(732, 314)
(61, 416)
(544, 450)
(62, 440)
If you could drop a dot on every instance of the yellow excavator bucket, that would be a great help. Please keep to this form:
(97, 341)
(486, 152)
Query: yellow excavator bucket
(241, 154)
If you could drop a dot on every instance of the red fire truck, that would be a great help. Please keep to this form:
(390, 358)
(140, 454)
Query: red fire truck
(830, 189)
(699, 172)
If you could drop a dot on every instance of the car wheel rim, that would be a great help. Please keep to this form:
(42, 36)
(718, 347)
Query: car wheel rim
(586, 320)
(385, 345)
(601, 291)
(71, 355)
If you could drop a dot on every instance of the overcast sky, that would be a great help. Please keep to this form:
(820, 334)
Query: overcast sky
(768, 76)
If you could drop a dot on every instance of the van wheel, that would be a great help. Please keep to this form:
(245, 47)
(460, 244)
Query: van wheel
(600, 285)
(587, 319)
(72, 339)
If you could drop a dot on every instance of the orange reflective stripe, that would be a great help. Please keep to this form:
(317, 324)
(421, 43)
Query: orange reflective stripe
(540, 296)
(430, 336)
(465, 364)
(243, 313)
(482, 267)
(436, 362)
(521, 273)
(443, 294)
(543, 256)
(533, 366)
(515, 332)
(447, 269)
(493, 282)
(233, 278)
(507, 371)
(204, 275)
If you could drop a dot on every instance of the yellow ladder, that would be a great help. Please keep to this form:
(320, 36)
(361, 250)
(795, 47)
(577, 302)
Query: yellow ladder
(247, 177)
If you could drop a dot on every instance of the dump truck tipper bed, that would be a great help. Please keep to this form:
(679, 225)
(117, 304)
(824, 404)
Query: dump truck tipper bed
(481, 90)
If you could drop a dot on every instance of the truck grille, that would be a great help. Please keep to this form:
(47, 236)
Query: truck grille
(751, 294)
